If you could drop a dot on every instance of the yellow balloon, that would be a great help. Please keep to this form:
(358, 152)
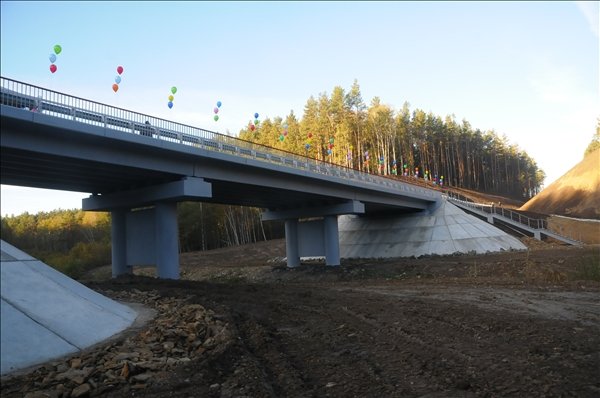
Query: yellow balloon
(171, 98)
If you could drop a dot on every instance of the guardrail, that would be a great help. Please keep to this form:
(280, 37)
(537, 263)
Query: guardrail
(38, 99)
(534, 223)
(517, 218)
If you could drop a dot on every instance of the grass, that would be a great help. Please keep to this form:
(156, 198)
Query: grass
(589, 268)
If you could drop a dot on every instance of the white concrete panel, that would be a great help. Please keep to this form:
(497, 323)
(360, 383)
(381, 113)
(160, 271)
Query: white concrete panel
(458, 232)
(440, 233)
(25, 342)
(82, 291)
(47, 315)
(13, 252)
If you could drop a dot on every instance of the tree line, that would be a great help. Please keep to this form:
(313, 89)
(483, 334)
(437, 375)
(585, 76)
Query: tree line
(341, 129)
(74, 241)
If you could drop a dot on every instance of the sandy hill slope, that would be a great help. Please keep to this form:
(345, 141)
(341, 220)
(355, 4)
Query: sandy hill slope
(575, 194)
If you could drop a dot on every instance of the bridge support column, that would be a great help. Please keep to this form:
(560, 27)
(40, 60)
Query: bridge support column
(291, 243)
(167, 241)
(119, 243)
(332, 241)
(537, 235)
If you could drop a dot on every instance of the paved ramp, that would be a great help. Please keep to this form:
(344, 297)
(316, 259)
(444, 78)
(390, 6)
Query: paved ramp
(45, 314)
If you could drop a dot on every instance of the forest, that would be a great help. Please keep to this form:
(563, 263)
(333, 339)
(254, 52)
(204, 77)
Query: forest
(339, 129)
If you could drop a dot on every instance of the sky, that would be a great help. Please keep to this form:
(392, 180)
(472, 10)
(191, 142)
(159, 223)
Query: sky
(527, 70)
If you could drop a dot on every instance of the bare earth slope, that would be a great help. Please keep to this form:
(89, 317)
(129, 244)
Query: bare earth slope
(576, 194)
(518, 324)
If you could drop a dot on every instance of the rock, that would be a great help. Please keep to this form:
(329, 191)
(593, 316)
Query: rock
(75, 362)
(81, 391)
(142, 378)
(125, 370)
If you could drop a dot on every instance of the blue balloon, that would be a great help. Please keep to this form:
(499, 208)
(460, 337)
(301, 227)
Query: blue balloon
(218, 104)
(52, 58)
(170, 104)
(307, 147)
(256, 115)
(118, 79)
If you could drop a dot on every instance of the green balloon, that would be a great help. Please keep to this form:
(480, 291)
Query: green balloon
(216, 117)
(57, 49)
(173, 89)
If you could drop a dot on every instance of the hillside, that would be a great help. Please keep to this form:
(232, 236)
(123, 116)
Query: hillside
(575, 194)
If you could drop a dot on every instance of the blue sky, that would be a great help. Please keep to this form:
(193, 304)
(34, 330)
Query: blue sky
(528, 70)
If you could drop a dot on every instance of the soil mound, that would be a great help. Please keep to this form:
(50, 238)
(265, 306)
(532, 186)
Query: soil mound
(575, 194)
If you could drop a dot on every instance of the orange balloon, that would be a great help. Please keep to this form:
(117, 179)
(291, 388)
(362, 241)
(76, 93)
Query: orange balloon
(115, 87)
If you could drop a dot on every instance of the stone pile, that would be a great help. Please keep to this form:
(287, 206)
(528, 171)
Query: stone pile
(179, 333)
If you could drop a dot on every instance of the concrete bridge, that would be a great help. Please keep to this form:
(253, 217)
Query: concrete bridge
(138, 167)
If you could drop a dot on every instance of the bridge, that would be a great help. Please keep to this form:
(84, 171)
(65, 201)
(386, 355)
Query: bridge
(138, 167)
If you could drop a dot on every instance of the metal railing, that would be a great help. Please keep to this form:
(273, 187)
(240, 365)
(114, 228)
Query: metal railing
(517, 218)
(534, 223)
(38, 99)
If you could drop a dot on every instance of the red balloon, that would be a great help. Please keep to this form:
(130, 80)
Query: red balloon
(309, 135)
(53, 68)
(115, 87)
(119, 70)
(252, 127)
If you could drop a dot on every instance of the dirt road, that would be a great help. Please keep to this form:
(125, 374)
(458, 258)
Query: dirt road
(521, 324)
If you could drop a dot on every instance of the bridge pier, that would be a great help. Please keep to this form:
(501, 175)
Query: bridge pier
(167, 236)
(144, 227)
(291, 243)
(332, 240)
(313, 232)
(119, 243)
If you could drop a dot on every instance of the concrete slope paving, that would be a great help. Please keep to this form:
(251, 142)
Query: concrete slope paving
(45, 314)
(446, 230)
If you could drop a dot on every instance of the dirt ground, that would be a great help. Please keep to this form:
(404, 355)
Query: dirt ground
(517, 324)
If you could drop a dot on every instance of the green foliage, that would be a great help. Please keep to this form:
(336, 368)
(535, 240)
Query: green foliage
(595, 144)
(589, 268)
(71, 241)
(467, 157)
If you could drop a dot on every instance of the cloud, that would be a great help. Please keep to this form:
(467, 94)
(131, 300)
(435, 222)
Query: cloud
(591, 13)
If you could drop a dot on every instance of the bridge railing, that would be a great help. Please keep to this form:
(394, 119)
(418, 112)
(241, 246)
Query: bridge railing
(48, 102)
(534, 223)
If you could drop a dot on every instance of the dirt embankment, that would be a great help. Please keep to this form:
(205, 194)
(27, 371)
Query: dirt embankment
(244, 325)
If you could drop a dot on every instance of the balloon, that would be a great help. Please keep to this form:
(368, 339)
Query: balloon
(256, 115)
(329, 151)
(57, 49)
(119, 69)
(256, 121)
(218, 104)
(118, 79)
(173, 89)
(52, 58)
(331, 140)
(285, 132)
(307, 146)
(53, 68)
(309, 135)
(285, 126)
(216, 110)
(170, 104)
(115, 87)
(252, 127)
(281, 138)
(216, 117)
(171, 98)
